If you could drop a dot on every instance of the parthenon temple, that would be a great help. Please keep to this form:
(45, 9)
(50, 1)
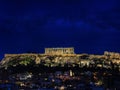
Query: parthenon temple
(59, 50)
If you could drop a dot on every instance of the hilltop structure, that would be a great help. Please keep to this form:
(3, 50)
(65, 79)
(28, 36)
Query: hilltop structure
(61, 56)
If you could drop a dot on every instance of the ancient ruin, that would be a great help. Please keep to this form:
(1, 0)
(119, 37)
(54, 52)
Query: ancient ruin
(61, 56)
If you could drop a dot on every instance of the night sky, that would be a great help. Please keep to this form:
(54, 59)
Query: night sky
(91, 26)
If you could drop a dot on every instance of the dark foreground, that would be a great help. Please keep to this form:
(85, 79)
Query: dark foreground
(60, 78)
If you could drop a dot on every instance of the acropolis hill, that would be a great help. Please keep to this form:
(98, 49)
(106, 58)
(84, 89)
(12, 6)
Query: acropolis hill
(61, 56)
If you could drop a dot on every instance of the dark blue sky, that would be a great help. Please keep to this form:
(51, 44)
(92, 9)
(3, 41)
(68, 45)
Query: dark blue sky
(91, 26)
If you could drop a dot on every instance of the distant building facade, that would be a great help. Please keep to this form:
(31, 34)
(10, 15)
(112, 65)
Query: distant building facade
(57, 51)
(115, 57)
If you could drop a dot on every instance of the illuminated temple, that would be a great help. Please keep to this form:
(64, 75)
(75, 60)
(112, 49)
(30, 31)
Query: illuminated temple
(59, 51)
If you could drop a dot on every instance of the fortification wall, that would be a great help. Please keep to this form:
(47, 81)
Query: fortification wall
(24, 54)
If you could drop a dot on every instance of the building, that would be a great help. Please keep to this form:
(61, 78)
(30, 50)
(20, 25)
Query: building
(59, 51)
(113, 56)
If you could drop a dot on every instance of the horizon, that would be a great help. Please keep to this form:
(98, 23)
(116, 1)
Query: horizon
(33, 52)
